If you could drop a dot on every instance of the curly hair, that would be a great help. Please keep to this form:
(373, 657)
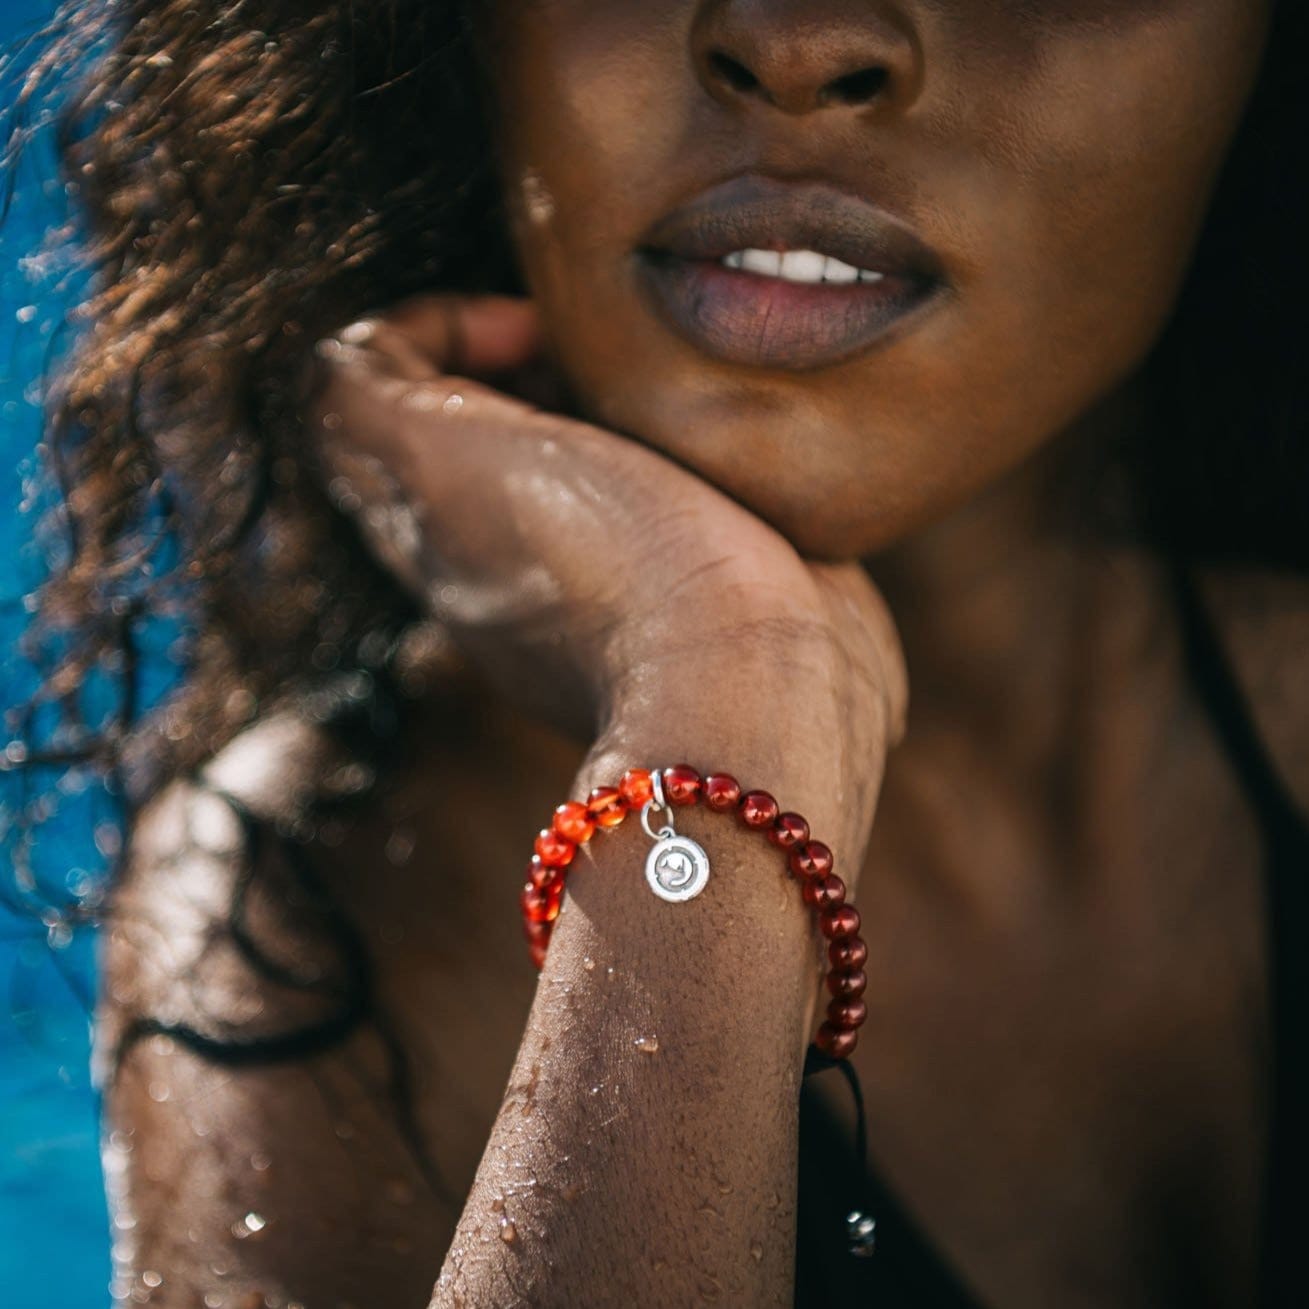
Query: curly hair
(251, 174)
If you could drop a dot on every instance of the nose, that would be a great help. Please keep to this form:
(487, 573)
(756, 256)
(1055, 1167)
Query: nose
(803, 55)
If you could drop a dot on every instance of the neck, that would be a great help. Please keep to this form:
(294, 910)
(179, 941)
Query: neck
(1014, 614)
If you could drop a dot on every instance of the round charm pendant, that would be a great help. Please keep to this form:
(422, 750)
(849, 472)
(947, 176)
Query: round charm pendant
(676, 868)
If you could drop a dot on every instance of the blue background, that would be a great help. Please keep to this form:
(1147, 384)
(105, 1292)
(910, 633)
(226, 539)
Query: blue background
(54, 1237)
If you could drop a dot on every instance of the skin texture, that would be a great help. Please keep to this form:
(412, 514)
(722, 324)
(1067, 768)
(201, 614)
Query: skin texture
(1057, 156)
(1056, 808)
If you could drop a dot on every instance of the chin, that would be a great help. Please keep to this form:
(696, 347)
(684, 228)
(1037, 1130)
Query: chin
(788, 466)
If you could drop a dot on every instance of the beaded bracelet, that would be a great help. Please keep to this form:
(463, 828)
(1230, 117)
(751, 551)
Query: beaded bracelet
(677, 869)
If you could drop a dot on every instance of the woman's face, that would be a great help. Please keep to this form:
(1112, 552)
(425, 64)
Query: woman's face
(1053, 158)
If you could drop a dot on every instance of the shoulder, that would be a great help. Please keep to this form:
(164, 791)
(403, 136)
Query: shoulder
(209, 869)
(1263, 620)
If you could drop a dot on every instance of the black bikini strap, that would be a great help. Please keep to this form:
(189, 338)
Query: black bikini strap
(815, 1061)
(1212, 674)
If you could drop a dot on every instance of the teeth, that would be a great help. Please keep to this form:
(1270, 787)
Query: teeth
(768, 262)
(836, 271)
(799, 266)
(803, 266)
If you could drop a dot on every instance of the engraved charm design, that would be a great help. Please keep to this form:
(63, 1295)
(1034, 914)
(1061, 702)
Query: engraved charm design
(677, 868)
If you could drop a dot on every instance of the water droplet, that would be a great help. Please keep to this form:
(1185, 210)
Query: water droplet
(256, 1222)
(344, 1131)
(498, 1205)
(756, 1251)
(152, 1278)
(420, 399)
(400, 846)
(861, 1230)
(647, 1044)
(453, 404)
(159, 1092)
(215, 1300)
(359, 332)
(609, 972)
(261, 1163)
(508, 1232)
(588, 963)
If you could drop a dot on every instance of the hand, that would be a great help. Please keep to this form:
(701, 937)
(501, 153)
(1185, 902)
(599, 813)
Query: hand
(597, 582)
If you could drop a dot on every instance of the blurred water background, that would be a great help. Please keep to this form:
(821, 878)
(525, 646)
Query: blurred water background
(54, 1238)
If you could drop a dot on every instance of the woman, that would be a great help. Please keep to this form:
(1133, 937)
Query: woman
(840, 395)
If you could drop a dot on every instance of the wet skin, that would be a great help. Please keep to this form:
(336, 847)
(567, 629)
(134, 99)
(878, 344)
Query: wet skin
(1058, 805)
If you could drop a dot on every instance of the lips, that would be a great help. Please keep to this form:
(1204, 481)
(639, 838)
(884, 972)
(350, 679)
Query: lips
(749, 318)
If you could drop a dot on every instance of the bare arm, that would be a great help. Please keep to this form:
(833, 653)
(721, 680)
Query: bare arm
(645, 1153)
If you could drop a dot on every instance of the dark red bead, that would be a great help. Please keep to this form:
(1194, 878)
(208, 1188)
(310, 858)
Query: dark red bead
(572, 822)
(554, 850)
(849, 952)
(810, 859)
(539, 873)
(605, 804)
(788, 830)
(721, 792)
(846, 1013)
(758, 809)
(536, 951)
(541, 904)
(847, 985)
(537, 933)
(838, 922)
(682, 784)
(836, 1041)
(823, 892)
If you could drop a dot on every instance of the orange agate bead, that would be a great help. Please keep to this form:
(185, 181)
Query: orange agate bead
(606, 806)
(573, 822)
(541, 903)
(540, 873)
(556, 851)
(636, 787)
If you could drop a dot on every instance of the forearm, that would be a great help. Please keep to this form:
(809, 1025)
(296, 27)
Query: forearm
(645, 1152)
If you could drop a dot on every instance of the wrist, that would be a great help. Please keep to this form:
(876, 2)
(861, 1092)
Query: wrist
(771, 868)
(788, 725)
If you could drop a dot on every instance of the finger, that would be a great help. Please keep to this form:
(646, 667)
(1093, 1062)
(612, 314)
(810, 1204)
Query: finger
(470, 334)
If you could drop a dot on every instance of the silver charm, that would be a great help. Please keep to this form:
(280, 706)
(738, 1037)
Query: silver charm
(676, 868)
